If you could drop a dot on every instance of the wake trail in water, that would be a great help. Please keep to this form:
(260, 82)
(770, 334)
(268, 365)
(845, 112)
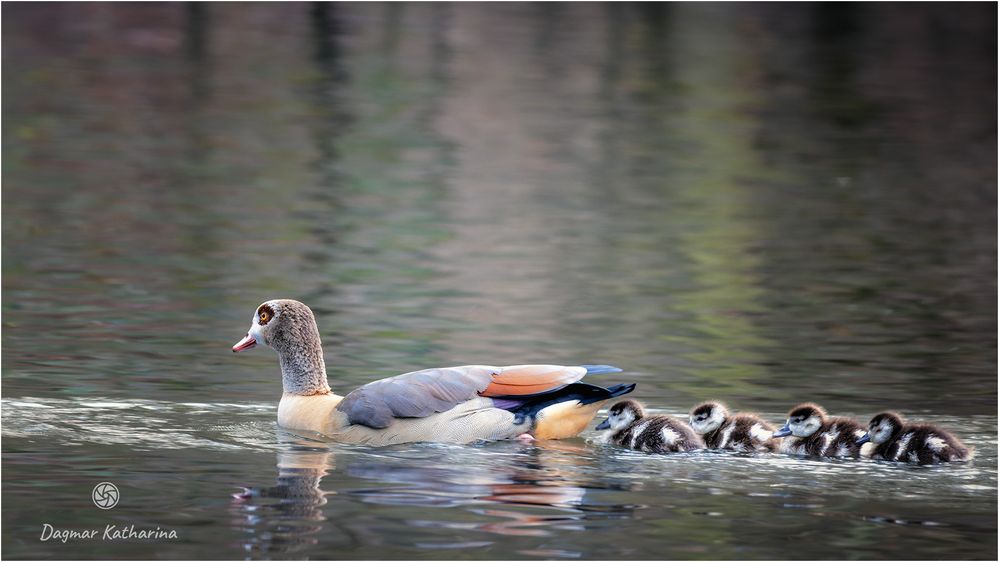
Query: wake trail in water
(140, 423)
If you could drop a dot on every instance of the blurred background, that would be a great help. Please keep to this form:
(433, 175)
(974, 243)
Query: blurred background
(760, 203)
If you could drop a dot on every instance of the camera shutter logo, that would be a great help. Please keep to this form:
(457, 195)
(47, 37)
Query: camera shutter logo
(105, 495)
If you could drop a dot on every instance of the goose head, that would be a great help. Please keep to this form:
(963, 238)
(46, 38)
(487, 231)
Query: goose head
(289, 328)
(883, 427)
(707, 417)
(622, 414)
(803, 420)
(279, 323)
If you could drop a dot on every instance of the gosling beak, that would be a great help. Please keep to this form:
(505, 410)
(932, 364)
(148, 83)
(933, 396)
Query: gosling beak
(245, 343)
(863, 439)
(783, 432)
(604, 424)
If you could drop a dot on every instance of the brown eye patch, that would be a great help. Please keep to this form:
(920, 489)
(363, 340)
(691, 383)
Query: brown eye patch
(265, 313)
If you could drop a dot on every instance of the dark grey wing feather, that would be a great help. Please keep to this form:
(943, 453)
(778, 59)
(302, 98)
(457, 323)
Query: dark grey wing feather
(415, 395)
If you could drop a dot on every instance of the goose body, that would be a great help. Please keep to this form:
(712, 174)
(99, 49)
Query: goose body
(629, 426)
(897, 440)
(738, 432)
(454, 404)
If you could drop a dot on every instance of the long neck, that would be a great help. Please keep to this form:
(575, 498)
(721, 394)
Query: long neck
(303, 370)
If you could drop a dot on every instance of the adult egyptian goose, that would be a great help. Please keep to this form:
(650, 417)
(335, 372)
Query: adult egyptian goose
(452, 404)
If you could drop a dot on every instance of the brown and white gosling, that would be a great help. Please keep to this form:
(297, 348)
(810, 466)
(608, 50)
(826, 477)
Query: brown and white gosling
(629, 426)
(810, 431)
(737, 432)
(896, 440)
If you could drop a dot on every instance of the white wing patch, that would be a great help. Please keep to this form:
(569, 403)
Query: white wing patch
(936, 444)
(759, 434)
(726, 435)
(842, 451)
(639, 429)
(903, 444)
(669, 436)
(828, 437)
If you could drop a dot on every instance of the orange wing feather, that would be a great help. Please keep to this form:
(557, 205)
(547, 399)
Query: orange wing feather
(519, 380)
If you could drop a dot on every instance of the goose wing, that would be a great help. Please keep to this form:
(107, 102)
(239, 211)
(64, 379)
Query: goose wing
(423, 393)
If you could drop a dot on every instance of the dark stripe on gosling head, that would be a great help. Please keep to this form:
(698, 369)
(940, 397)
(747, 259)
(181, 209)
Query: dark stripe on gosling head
(806, 410)
(633, 405)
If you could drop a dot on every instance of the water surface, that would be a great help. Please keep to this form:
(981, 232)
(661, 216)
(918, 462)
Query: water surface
(754, 203)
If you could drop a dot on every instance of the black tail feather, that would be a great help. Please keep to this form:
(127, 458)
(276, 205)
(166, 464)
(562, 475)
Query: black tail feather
(585, 393)
(619, 390)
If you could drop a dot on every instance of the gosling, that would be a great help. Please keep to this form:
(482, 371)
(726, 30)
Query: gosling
(814, 433)
(896, 440)
(630, 427)
(743, 432)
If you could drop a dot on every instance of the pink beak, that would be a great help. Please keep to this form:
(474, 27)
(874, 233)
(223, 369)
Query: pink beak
(245, 343)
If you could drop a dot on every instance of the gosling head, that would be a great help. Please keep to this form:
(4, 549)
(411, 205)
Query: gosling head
(803, 420)
(622, 414)
(707, 417)
(883, 427)
(280, 323)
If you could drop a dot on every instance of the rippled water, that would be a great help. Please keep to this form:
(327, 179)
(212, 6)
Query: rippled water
(758, 204)
(233, 484)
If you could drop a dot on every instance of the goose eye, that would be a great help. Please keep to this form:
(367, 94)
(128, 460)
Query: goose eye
(265, 314)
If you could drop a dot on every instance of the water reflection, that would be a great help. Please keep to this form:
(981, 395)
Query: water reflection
(541, 500)
(457, 497)
(285, 518)
(530, 491)
(721, 198)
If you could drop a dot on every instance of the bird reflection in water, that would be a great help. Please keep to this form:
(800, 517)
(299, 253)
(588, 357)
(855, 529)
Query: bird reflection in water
(550, 476)
(510, 489)
(286, 517)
